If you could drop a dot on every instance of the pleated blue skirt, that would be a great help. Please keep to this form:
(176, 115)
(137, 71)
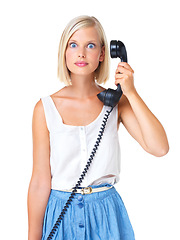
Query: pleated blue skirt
(95, 216)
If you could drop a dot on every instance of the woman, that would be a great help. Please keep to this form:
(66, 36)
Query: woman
(65, 128)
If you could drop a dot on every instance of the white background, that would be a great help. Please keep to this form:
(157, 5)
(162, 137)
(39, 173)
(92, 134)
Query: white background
(30, 33)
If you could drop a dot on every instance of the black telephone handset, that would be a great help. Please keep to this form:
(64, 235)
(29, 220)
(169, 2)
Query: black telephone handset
(111, 97)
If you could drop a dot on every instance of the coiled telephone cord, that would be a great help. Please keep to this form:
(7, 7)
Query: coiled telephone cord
(56, 225)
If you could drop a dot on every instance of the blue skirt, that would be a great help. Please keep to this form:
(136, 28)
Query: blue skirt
(95, 216)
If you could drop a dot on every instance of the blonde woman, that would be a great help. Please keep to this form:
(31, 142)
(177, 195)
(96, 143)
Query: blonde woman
(65, 127)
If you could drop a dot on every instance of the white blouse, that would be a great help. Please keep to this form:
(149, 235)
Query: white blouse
(71, 146)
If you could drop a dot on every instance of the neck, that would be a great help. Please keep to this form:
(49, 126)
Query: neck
(83, 87)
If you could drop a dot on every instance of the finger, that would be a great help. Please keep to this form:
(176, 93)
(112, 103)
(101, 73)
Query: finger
(121, 69)
(119, 76)
(117, 82)
(126, 65)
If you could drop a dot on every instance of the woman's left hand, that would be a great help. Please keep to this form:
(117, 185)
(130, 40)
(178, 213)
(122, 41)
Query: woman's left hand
(124, 76)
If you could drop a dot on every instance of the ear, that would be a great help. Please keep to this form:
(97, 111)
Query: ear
(102, 55)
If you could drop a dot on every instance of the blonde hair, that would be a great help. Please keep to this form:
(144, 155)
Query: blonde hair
(102, 72)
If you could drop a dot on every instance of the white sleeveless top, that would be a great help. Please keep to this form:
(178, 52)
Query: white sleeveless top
(71, 146)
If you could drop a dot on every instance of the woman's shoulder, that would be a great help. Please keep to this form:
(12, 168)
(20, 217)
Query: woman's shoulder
(38, 117)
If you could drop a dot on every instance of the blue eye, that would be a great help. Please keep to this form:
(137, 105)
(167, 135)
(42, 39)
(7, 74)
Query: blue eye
(73, 45)
(91, 45)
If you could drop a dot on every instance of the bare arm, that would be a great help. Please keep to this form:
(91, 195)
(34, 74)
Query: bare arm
(40, 184)
(136, 116)
(143, 126)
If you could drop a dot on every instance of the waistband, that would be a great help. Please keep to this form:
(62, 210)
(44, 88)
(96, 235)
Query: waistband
(63, 195)
(89, 190)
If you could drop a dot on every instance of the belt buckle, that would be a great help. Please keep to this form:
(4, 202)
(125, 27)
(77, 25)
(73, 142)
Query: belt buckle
(86, 190)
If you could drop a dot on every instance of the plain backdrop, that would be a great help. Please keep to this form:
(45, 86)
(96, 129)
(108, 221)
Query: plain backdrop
(30, 34)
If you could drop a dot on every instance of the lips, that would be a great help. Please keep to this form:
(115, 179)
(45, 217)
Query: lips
(81, 64)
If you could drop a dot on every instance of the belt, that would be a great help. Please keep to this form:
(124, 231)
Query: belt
(89, 190)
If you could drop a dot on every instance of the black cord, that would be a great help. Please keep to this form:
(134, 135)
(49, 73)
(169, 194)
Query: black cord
(56, 225)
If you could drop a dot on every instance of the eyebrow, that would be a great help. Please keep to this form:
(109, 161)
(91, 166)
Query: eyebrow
(87, 41)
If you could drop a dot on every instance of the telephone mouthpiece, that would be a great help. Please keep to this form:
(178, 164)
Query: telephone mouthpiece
(110, 97)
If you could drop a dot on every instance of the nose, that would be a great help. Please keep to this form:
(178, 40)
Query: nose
(81, 53)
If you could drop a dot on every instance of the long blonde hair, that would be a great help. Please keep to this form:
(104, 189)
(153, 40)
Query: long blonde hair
(102, 72)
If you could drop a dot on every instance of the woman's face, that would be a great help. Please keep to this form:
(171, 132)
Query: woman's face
(84, 51)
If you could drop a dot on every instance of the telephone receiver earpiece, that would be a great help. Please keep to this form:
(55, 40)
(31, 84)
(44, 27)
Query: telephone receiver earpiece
(111, 97)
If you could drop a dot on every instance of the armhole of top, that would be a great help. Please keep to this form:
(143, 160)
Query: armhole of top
(45, 112)
(117, 112)
(118, 117)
